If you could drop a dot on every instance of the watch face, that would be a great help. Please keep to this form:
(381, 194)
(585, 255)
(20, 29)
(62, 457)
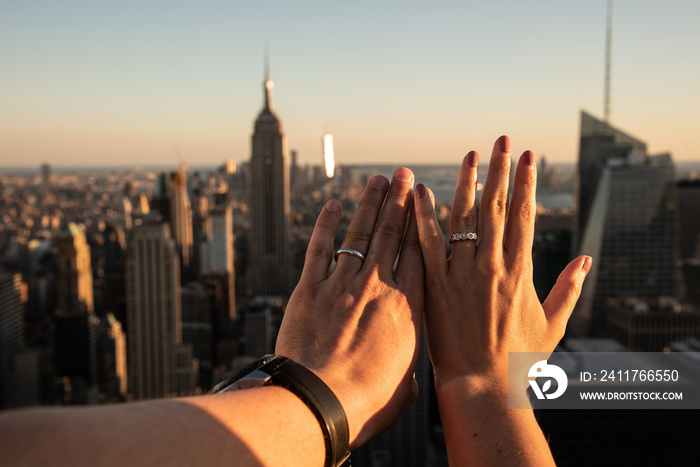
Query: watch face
(255, 379)
(246, 373)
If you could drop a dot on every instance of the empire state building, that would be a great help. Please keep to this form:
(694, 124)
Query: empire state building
(270, 259)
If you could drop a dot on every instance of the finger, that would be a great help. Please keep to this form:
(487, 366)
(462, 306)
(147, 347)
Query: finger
(361, 226)
(523, 208)
(463, 215)
(562, 298)
(494, 199)
(390, 228)
(319, 254)
(409, 270)
(432, 241)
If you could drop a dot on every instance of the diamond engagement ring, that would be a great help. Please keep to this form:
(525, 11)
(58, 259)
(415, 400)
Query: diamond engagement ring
(463, 236)
(349, 251)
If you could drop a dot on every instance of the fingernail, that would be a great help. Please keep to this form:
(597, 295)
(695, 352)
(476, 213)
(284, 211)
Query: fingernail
(472, 159)
(333, 205)
(403, 175)
(528, 158)
(586, 266)
(421, 192)
(378, 182)
(503, 144)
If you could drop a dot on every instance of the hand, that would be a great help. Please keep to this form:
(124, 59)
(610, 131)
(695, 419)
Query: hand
(358, 328)
(481, 302)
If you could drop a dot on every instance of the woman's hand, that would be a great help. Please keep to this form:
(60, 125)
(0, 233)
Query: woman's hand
(358, 328)
(481, 302)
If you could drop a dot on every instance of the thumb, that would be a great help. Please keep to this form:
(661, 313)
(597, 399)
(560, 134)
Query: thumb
(562, 298)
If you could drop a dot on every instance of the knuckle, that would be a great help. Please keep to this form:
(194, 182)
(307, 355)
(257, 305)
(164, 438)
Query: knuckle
(411, 244)
(501, 164)
(432, 240)
(498, 205)
(390, 231)
(316, 252)
(526, 212)
(358, 235)
(466, 220)
(489, 266)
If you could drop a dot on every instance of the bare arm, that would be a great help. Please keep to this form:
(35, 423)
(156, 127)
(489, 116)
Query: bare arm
(264, 426)
(481, 304)
(356, 328)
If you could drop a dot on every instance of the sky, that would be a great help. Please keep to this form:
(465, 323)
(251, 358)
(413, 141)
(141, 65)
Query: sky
(101, 83)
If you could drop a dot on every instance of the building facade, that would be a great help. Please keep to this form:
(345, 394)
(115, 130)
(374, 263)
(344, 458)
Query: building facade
(11, 329)
(631, 228)
(154, 315)
(74, 291)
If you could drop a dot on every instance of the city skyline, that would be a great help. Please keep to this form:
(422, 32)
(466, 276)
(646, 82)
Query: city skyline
(99, 85)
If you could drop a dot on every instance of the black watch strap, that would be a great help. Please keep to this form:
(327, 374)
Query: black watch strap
(313, 392)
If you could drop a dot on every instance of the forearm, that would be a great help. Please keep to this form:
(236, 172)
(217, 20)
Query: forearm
(481, 430)
(263, 426)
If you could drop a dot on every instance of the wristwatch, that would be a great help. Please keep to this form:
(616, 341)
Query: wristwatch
(277, 370)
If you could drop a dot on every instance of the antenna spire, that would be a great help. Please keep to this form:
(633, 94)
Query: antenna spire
(267, 62)
(608, 53)
(268, 82)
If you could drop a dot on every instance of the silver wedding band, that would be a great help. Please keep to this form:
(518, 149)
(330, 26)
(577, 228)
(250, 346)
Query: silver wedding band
(349, 251)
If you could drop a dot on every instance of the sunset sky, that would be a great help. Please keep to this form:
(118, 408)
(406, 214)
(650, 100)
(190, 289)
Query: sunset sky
(121, 83)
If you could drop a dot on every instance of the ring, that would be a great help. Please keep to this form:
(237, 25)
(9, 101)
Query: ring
(463, 236)
(349, 251)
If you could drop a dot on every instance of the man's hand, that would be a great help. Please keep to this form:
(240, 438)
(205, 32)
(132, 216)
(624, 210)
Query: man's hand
(358, 329)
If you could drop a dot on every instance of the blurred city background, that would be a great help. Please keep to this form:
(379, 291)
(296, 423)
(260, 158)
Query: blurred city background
(152, 232)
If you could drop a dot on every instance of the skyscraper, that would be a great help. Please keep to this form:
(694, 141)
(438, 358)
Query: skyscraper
(628, 222)
(270, 259)
(599, 143)
(154, 315)
(74, 332)
(220, 264)
(11, 328)
(11, 314)
(175, 208)
(74, 292)
(111, 364)
(221, 246)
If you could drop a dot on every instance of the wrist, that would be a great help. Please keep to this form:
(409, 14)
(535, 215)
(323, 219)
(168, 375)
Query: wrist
(309, 388)
(481, 391)
(353, 407)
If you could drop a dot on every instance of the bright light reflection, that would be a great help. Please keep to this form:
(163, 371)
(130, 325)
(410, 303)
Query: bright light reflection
(328, 154)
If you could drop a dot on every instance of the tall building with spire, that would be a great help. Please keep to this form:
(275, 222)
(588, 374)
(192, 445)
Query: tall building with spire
(270, 260)
(627, 221)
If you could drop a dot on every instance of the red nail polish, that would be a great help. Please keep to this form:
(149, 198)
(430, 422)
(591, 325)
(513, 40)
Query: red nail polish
(503, 144)
(528, 158)
(473, 159)
(421, 192)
